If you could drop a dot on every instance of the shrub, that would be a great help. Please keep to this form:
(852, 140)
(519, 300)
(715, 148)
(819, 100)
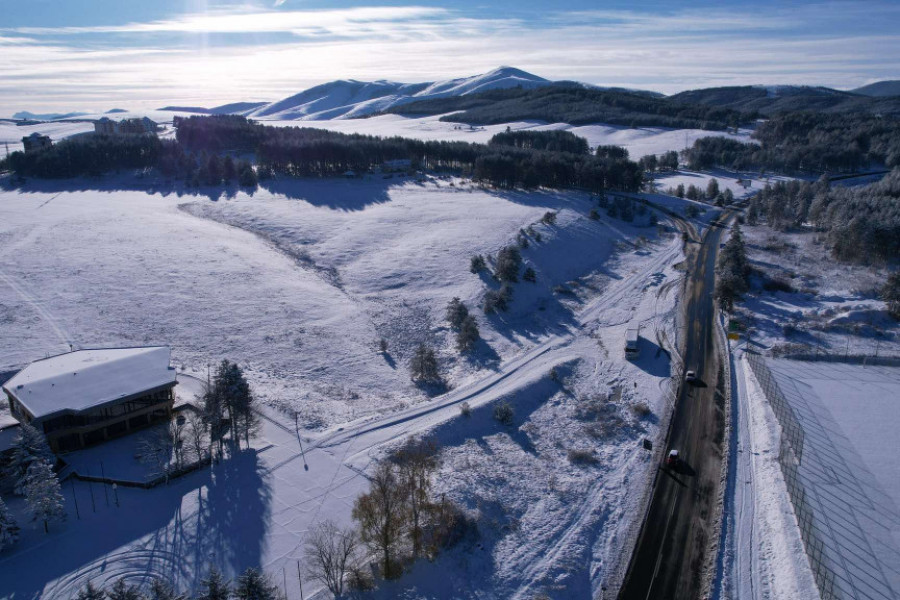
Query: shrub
(465, 409)
(468, 335)
(423, 366)
(582, 457)
(477, 264)
(504, 413)
(382, 346)
(641, 410)
(549, 218)
(529, 275)
(554, 374)
(456, 313)
(594, 214)
(497, 300)
(509, 259)
(522, 239)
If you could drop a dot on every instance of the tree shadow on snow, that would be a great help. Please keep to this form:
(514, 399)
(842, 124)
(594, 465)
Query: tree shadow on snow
(334, 193)
(125, 183)
(483, 356)
(148, 536)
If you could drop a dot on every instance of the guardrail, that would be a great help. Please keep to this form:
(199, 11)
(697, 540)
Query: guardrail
(790, 457)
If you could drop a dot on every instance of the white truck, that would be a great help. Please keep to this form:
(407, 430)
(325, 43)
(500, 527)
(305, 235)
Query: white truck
(632, 342)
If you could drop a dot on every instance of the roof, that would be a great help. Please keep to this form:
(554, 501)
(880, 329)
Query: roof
(8, 435)
(83, 379)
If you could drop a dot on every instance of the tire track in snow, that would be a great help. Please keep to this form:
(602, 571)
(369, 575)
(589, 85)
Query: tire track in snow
(38, 307)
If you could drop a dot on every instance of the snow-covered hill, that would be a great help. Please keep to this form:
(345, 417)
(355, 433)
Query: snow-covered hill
(350, 98)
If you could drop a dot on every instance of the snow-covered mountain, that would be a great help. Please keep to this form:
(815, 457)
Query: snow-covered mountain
(351, 98)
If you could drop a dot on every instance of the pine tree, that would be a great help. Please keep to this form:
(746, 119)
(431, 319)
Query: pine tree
(230, 391)
(423, 365)
(160, 590)
(122, 591)
(214, 586)
(253, 585)
(9, 531)
(43, 493)
(509, 259)
(468, 335)
(890, 293)
(29, 446)
(456, 313)
(89, 592)
(229, 171)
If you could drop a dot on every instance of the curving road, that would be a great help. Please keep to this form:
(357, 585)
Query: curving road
(672, 547)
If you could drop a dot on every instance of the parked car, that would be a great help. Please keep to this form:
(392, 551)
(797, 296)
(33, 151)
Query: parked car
(673, 459)
(690, 377)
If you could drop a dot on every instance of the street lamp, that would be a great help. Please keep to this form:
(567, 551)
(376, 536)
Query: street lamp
(116, 492)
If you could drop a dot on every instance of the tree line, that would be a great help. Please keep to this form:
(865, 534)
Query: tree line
(805, 143)
(551, 159)
(574, 104)
(862, 224)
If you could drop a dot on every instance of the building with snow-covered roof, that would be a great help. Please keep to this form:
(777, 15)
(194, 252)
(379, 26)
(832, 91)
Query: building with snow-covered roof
(85, 397)
(106, 126)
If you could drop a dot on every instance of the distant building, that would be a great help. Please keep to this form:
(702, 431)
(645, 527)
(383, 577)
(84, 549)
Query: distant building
(745, 183)
(35, 142)
(106, 126)
(85, 397)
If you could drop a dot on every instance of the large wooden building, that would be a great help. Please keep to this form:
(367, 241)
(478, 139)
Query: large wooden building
(85, 397)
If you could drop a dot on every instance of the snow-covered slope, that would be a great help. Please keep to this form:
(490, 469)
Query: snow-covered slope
(351, 98)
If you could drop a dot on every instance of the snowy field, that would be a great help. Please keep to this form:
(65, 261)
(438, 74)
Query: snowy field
(728, 180)
(297, 283)
(762, 555)
(827, 307)
(849, 414)
(638, 141)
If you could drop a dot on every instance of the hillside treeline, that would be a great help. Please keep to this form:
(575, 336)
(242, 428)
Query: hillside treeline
(88, 155)
(862, 224)
(554, 141)
(576, 105)
(805, 142)
(509, 161)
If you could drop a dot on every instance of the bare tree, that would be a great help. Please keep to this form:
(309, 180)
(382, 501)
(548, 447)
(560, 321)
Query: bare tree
(177, 431)
(381, 514)
(416, 463)
(197, 430)
(155, 449)
(329, 555)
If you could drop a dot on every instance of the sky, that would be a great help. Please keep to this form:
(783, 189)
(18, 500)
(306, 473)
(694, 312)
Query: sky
(94, 55)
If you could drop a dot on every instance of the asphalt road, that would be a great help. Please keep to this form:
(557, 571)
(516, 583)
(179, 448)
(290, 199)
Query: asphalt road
(674, 539)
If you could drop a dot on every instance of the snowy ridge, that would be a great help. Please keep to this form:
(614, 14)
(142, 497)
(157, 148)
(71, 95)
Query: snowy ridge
(350, 98)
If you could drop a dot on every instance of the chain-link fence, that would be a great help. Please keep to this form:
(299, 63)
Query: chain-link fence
(790, 457)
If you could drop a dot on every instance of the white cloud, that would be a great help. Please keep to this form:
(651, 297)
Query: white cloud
(415, 44)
